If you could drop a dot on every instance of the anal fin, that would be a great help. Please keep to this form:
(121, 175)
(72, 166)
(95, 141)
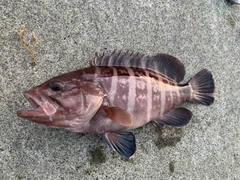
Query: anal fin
(176, 117)
(122, 142)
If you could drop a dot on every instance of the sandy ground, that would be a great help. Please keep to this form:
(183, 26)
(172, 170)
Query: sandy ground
(203, 34)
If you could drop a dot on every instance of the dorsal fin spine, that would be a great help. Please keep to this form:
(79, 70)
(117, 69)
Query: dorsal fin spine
(163, 63)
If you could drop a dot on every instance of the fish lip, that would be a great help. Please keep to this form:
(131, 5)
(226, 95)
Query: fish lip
(31, 100)
(42, 105)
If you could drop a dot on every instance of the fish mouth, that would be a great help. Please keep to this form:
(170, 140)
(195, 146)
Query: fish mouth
(42, 106)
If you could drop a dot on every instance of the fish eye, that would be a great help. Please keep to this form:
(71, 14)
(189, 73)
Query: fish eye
(56, 86)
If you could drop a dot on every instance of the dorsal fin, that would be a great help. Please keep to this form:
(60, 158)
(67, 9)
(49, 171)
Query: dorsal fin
(163, 63)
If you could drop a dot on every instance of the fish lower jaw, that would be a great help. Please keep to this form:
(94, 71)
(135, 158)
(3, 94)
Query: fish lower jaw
(31, 113)
(40, 103)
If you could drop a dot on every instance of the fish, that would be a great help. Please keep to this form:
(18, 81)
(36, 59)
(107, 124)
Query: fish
(119, 92)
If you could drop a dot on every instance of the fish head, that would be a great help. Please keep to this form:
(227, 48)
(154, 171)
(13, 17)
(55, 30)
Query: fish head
(62, 100)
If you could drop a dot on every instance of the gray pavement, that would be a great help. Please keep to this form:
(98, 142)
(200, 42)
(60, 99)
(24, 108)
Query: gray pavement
(203, 34)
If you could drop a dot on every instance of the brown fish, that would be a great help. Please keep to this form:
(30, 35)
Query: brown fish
(119, 92)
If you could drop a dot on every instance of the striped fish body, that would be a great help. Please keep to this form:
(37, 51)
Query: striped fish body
(119, 92)
(145, 94)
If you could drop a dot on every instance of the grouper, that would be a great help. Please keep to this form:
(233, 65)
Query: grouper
(119, 92)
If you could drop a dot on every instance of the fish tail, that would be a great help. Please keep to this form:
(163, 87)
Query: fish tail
(203, 87)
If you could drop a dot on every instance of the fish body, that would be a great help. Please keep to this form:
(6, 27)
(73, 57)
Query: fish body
(118, 93)
(140, 92)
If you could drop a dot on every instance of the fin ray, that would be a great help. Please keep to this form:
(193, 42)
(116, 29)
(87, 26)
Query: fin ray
(122, 142)
(203, 87)
(163, 63)
(119, 115)
(176, 117)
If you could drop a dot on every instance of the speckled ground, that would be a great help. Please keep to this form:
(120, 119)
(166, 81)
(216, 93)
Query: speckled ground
(203, 34)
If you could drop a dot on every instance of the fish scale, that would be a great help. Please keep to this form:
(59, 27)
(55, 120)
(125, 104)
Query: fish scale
(131, 91)
(119, 92)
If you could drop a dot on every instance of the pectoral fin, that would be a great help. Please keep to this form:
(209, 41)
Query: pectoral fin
(176, 117)
(122, 142)
(119, 115)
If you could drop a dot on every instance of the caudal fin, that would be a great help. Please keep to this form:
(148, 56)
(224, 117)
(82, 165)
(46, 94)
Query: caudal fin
(203, 87)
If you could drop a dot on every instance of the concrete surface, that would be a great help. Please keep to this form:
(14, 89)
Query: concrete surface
(203, 34)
